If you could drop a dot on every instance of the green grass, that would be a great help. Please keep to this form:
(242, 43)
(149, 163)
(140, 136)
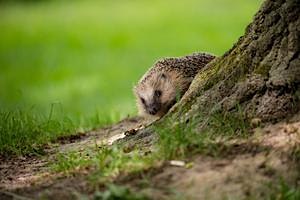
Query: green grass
(283, 191)
(85, 56)
(186, 138)
(105, 162)
(23, 133)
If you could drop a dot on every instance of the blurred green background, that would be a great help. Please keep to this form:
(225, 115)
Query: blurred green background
(80, 59)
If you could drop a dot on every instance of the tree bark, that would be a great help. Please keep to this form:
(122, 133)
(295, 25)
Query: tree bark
(260, 74)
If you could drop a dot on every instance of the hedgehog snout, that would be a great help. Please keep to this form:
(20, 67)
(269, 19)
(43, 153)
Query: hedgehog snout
(153, 108)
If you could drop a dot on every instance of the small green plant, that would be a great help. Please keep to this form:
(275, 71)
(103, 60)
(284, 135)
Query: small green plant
(71, 161)
(283, 191)
(175, 143)
(229, 124)
(115, 192)
(110, 162)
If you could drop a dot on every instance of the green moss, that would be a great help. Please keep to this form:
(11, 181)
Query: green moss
(262, 70)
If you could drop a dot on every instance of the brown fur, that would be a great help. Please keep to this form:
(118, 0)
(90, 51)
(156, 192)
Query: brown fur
(172, 77)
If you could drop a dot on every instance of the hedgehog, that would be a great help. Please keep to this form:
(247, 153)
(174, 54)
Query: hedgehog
(166, 82)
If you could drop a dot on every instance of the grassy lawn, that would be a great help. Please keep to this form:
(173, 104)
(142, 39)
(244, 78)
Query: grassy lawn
(68, 66)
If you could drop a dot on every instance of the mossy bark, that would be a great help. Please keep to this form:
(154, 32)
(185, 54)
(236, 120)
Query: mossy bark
(260, 73)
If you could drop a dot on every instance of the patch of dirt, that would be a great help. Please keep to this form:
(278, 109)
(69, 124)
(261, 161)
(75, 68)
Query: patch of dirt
(21, 171)
(70, 138)
(244, 170)
(99, 137)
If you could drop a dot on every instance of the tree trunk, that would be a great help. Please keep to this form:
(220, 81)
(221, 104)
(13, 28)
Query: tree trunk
(260, 74)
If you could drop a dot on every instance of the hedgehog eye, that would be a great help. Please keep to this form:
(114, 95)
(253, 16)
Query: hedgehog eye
(143, 100)
(157, 93)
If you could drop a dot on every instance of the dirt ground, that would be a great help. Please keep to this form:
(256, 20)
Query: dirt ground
(241, 172)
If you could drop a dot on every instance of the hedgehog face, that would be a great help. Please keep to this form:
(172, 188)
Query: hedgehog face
(156, 95)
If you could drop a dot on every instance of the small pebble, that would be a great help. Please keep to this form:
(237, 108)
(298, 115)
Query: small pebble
(177, 163)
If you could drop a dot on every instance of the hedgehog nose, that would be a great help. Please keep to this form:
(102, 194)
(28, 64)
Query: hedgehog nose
(153, 110)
